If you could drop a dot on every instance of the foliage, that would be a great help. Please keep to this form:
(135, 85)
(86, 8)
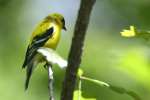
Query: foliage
(133, 32)
(117, 89)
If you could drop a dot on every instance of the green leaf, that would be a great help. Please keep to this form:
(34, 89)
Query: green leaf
(80, 72)
(129, 33)
(134, 95)
(117, 89)
(124, 91)
(77, 95)
(132, 32)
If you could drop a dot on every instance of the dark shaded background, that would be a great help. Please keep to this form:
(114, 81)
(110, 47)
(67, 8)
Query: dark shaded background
(107, 56)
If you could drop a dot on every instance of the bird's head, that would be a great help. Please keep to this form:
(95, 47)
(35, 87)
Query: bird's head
(58, 19)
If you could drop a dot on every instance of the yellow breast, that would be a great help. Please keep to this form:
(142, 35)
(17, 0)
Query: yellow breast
(53, 41)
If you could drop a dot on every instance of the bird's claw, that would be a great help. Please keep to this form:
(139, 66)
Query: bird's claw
(46, 65)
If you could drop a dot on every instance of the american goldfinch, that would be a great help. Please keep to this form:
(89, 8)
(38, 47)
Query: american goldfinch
(46, 34)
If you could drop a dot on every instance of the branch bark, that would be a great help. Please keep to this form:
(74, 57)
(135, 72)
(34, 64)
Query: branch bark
(75, 54)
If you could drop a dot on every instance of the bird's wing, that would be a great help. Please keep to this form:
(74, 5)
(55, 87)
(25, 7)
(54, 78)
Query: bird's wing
(38, 41)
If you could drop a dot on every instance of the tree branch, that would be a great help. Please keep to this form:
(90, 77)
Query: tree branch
(75, 54)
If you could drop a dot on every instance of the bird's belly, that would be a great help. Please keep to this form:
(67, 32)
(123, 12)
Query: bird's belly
(53, 41)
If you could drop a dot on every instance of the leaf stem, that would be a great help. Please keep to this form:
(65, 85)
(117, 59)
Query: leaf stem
(101, 83)
(80, 89)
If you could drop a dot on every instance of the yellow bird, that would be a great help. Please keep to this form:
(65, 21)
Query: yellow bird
(46, 34)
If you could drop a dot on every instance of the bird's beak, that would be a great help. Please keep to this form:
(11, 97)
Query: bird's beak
(64, 27)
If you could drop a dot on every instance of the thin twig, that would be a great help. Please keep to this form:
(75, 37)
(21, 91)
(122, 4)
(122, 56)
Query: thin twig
(80, 89)
(50, 82)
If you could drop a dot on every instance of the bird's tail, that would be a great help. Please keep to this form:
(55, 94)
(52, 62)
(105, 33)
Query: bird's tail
(29, 71)
(24, 64)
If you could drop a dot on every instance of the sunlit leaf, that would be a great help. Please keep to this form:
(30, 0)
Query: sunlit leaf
(132, 32)
(129, 33)
(77, 95)
(80, 72)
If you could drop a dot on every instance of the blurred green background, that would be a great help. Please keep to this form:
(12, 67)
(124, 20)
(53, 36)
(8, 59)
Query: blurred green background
(107, 56)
